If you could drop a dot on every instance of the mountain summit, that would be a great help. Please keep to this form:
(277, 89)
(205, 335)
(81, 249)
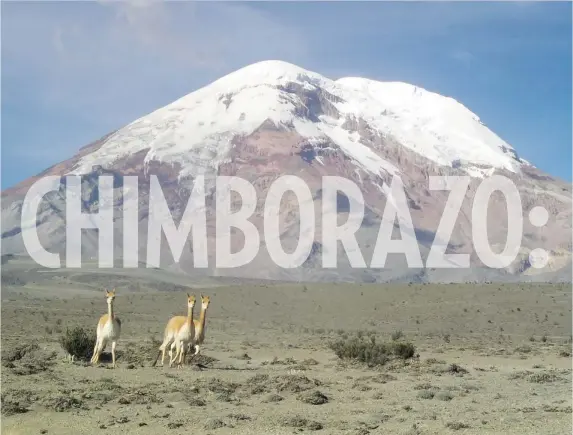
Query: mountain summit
(273, 118)
(197, 130)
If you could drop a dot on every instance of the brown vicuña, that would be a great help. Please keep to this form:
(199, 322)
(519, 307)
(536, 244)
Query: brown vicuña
(108, 330)
(199, 327)
(179, 332)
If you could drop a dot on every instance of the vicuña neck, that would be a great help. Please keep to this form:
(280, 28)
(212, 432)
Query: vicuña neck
(202, 318)
(189, 317)
(110, 310)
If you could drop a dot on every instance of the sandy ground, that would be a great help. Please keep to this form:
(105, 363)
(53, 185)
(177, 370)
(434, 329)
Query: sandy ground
(493, 359)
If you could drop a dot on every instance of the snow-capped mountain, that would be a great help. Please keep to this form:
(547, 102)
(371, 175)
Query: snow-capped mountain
(273, 118)
(197, 130)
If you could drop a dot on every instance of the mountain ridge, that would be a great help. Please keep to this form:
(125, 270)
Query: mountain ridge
(260, 85)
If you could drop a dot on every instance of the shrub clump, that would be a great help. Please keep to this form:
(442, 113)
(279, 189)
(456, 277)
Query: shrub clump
(78, 342)
(369, 352)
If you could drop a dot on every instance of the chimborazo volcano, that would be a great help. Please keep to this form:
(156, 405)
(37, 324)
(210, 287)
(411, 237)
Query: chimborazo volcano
(273, 118)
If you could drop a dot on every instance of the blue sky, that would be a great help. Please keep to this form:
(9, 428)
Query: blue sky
(74, 71)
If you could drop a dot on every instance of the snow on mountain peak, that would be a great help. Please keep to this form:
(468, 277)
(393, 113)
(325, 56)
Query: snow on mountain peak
(196, 131)
(270, 72)
(440, 128)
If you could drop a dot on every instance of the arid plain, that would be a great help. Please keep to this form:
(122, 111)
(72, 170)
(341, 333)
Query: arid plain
(489, 359)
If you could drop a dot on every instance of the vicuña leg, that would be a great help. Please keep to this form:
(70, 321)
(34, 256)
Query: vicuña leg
(163, 357)
(163, 346)
(182, 354)
(99, 350)
(179, 353)
(95, 352)
(113, 343)
(171, 347)
(171, 358)
(192, 355)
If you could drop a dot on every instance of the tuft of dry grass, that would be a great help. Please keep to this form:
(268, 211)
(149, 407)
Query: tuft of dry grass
(457, 425)
(302, 423)
(543, 377)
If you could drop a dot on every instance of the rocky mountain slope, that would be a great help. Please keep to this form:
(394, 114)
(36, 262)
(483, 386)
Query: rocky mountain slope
(273, 118)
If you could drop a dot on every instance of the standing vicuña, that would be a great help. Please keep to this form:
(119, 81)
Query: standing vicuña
(199, 326)
(179, 332)
(108, 329)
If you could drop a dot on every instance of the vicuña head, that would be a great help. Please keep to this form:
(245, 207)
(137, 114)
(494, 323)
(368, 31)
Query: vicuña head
(205, 300)
(190, 300)
(110, 296)
(108, 330)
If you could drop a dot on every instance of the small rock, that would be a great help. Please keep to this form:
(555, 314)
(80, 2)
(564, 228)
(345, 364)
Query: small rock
(214, 423)
(174, 425)
(314, 425)
(273, 398)
(196, 401)
(426, 394)
(239, 417)
(313, 398)
(444, 396)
